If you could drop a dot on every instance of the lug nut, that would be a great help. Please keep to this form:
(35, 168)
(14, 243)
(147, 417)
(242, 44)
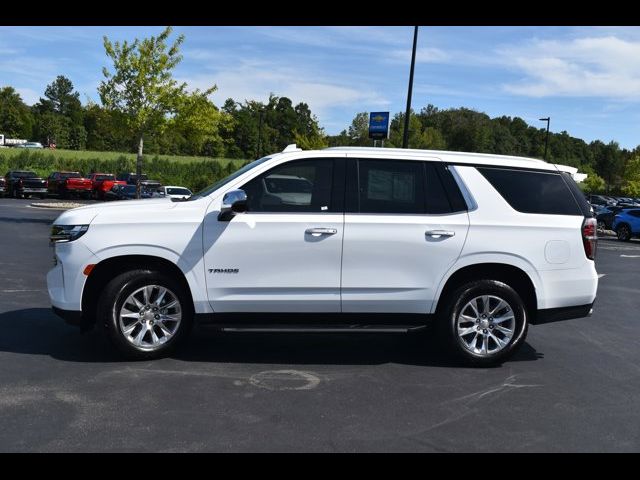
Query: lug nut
(484, 331)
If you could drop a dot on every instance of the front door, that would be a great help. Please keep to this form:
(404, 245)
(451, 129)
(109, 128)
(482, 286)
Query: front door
(284, 254)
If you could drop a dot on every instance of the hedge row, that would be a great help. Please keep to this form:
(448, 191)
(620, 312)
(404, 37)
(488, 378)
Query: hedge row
(195, 175)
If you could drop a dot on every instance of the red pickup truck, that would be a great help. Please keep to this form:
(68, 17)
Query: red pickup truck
(66, 184)
(101, 183)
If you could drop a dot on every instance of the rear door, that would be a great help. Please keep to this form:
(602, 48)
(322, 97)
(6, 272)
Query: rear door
(402, 233)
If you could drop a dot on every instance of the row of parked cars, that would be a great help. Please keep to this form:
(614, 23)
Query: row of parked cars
(99, 186)
(620, 214)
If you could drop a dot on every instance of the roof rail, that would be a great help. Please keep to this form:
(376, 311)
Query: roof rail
(291, 148)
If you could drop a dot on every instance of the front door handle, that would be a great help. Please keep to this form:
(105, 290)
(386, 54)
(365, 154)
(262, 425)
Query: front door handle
(316, 232)
(439, 233)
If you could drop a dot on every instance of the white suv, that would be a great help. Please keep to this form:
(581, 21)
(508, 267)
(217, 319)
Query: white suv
(341, 239)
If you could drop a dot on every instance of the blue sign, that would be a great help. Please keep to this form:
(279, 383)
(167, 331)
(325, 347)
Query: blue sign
(379, 125)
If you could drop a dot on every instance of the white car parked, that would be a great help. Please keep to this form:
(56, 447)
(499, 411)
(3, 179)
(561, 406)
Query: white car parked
(366, 239)
(173, 191)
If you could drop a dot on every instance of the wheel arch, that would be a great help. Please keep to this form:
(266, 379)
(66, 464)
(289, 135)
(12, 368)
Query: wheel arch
(512, 275)
(108, 268)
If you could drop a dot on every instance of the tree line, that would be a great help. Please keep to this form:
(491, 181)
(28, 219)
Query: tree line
(143, 106)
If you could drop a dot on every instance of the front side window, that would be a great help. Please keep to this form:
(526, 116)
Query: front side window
(297, 186)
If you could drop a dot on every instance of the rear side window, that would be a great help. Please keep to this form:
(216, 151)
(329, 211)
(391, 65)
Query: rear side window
(391, 186)
(533, 192)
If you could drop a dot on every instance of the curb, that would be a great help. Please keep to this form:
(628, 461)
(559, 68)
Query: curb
(57, 205)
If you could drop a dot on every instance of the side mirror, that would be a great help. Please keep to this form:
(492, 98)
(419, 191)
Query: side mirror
(233, 202)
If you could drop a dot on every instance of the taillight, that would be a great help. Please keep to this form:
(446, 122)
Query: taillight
(590, 237)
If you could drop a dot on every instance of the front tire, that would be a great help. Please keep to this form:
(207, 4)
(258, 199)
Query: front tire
(484, 322)
(146, 313)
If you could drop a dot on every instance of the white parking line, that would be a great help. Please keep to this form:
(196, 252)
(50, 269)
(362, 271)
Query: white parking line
(630, 256)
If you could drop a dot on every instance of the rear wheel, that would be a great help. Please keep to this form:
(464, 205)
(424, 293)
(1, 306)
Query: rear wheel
(624, 232)
(484, 322)
(146, 313)
(602, 226)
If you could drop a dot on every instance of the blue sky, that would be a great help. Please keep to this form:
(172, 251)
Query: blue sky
(587, 79)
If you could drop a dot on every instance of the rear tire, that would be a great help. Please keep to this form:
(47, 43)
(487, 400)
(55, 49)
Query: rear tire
(160, 328)
(494, 318)
(624, 232)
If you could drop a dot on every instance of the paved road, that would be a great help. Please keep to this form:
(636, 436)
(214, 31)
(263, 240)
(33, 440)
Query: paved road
(575, 386)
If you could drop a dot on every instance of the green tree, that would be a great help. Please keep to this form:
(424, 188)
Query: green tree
(141, 86)
(16, 120)
(631, 185)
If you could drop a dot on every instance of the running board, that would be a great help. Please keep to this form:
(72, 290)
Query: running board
(316, 329)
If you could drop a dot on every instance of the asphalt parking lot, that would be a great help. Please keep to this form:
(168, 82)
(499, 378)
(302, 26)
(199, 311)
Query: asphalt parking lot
(574, 386)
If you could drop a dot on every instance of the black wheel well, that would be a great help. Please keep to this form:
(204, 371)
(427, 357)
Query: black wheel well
(512, 276)
(107, 269)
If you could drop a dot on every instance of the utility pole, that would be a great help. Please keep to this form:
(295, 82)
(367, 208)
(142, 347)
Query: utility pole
(546, 142)
(259, 134)
(405, 137)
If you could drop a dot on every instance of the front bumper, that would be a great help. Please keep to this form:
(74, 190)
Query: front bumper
(65, 281)
(72, 317)
(33, 190)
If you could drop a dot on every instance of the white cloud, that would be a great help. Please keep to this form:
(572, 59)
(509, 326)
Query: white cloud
(28, 95)
(256, 79)
(605, 67)
(423, 55)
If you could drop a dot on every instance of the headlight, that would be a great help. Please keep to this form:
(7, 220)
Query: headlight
(67, 233)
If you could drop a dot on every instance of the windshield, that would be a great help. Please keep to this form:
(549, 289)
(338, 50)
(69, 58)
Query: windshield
(105, 177)
(178, 191)
(70, 175)
(24, 174)
(212, 188)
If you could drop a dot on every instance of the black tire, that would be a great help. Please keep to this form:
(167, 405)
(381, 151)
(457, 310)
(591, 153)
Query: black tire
(602, 226)
(624, 232)
(115, 294)
(458, 299)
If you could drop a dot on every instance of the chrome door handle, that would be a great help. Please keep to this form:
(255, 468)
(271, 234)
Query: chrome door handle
(440, 233)
(321, 231)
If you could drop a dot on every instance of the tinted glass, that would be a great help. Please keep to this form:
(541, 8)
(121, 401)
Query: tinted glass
(70, 175)
(391, 186)
(24, 174)
(178, 191)
(298, 186)
(533, 192)
(105, 177)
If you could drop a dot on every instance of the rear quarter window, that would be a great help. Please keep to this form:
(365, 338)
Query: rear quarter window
(532, 191)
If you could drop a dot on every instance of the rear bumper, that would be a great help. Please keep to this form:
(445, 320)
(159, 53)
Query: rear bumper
(549, 315)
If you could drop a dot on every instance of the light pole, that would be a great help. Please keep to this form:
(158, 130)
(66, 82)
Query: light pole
(405, 137)
(546, 142)
(259, 133)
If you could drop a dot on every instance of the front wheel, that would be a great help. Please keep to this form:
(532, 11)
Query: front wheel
(624, 233)
(146, 313)
(484, 322)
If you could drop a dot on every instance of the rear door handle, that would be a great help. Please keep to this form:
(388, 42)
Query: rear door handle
(439, 233)
(316, 232)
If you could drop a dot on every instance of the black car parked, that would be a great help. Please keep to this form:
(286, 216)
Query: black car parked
(604, 216)
(22, 183)
(125, 192)
(145, 183)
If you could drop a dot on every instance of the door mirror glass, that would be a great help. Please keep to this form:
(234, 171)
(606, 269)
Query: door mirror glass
(233, 202)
